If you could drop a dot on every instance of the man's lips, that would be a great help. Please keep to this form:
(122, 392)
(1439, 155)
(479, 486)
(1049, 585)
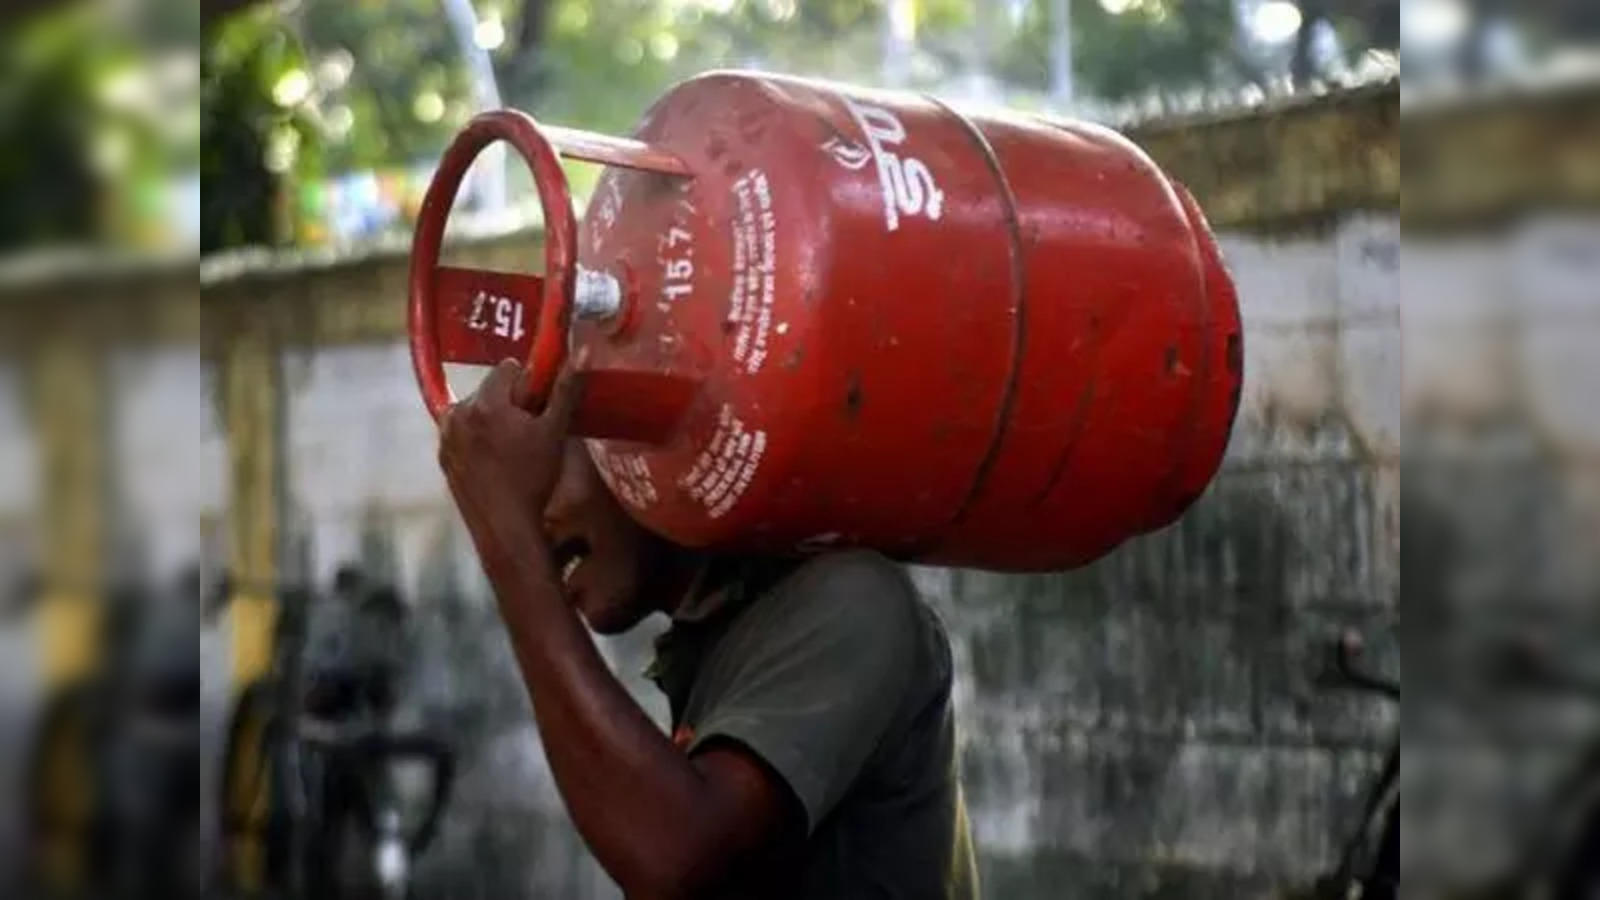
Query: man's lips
(569, 555)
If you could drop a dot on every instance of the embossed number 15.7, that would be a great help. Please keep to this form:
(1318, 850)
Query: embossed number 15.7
(507, 315)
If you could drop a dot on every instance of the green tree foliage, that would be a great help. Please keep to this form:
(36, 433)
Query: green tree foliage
(599, 63)
(257, 134)
(83, 134)
(1152, 46)
(390, 84)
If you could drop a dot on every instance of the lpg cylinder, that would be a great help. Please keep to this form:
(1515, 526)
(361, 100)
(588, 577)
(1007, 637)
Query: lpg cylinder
(819, 315)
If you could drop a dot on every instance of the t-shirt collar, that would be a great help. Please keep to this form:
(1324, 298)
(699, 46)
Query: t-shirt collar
(709, 593)
(721, 587)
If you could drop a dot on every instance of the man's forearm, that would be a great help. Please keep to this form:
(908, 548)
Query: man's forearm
(633, 796)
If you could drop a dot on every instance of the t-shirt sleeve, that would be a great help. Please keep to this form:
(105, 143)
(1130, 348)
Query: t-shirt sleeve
(812, 677)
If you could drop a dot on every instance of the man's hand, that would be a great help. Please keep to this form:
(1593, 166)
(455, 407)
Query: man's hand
(502, 461)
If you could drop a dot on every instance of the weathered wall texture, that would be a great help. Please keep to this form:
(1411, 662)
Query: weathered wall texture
(1502, 460)
(82, 379)
(18, 663)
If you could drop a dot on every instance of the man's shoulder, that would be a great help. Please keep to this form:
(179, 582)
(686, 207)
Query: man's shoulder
(851, 600)
(856, 564)
(865, 584)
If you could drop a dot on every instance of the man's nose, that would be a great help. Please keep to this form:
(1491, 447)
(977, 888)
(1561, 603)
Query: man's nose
(577, 483)
(561, 510)
(554, 518)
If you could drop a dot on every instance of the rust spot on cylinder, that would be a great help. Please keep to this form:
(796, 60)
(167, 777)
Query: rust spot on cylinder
(752, 123)
(1171, 365)
(852, 397)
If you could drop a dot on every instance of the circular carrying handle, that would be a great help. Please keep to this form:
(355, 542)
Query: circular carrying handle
(548, 351)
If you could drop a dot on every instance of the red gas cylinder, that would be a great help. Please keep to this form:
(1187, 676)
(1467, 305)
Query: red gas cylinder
(820, 315)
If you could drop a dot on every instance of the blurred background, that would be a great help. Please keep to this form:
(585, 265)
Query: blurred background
(220, 514)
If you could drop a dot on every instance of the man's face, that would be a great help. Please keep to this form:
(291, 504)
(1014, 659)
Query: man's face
(615, 571)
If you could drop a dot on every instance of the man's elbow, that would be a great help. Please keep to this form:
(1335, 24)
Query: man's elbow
(661, 882)
(656, 889)
(710, 841)
(683, 869)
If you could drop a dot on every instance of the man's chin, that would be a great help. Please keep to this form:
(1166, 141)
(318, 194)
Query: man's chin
(606, 619)
(610, 627)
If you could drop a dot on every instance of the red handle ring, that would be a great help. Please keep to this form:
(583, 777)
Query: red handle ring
(549, 351)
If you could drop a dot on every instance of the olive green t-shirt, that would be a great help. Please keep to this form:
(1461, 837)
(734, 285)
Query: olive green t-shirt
(837, 675)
